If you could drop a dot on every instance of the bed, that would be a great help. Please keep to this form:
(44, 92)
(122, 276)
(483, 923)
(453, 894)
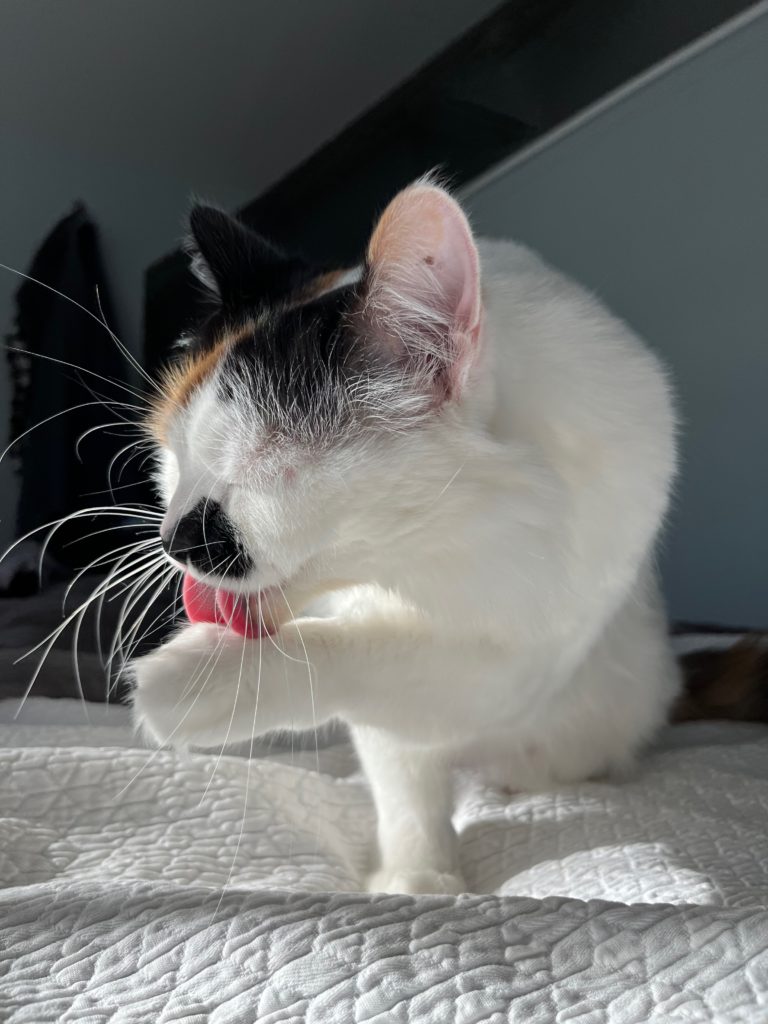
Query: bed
(140, 885)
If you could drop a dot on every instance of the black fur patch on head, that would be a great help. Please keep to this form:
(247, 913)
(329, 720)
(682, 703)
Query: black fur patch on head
(242, 267)
(299, 367)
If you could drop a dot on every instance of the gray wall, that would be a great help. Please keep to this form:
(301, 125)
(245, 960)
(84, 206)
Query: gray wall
(658, 202)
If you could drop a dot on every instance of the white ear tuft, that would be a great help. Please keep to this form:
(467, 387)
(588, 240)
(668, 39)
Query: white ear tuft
(424, 280)
(200, 269)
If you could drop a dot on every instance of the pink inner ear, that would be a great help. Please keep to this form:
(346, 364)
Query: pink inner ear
(424, 226)
(456, 263)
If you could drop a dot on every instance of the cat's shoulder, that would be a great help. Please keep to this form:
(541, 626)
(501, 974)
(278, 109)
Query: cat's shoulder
(505, 256)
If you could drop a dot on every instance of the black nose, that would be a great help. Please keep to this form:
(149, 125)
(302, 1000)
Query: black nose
(207, 540)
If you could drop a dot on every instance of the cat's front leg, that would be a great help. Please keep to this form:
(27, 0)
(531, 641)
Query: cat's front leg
(412, 789)
(208, 684)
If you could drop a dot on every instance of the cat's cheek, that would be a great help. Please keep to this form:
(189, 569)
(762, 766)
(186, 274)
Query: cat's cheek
(173, 700)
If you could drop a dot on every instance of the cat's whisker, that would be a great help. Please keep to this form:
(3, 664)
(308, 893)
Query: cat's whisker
(55, 524)
(120, 511)
(247, 778)
(108, 529)
(218, 651)
(215, 652)
(105, 426)
(219, 645)
(266, 630)
(134, 638)
(48, 419)
(147, 449)
(111, 490)
(100, 606)
(48, 642)
(142, 584)
(169, 610)
(124, 348)
(76, 638)
(309, 676)
(450, 482)
(134, 595)
(55, 633)
(101, 321)
(231, 717)
(134, 546)
(134, 447)
(81, 369)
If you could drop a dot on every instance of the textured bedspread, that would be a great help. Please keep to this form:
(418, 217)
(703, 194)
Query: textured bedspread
(143, 886)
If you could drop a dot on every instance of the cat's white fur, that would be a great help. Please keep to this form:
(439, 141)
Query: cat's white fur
(500, 607)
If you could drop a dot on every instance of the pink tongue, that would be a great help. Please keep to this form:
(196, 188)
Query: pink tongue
(210, 604)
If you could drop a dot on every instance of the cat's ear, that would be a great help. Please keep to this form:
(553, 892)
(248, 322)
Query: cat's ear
(236, 263)
(423, 283)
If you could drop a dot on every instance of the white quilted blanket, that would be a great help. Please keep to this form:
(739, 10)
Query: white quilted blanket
(141, 886)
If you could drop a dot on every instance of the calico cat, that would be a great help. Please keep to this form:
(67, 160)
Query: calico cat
(422, 497)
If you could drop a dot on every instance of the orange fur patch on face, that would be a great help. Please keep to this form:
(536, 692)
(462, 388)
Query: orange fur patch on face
(183, 378)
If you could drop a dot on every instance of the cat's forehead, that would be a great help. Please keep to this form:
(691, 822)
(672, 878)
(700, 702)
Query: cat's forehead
(282, 361)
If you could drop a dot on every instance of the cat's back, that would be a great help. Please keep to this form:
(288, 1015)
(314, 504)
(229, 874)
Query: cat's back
(566, 370)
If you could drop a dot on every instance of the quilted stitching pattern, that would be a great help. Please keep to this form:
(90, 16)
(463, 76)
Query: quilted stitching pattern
(136, 889)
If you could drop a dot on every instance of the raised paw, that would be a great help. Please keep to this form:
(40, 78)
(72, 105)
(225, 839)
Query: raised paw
(177, 696)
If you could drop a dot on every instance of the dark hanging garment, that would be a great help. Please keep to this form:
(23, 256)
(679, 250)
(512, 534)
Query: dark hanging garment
(51, 331)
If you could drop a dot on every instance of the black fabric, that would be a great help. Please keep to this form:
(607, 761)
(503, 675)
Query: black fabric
(51, 331)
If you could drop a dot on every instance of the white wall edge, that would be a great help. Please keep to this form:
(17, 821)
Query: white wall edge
(617, 96)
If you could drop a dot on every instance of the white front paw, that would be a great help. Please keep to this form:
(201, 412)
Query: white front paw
(415, 881)
(174, 687)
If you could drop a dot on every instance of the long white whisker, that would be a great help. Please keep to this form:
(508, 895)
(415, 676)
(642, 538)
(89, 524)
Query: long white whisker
(111, 490)
(75, 647)
(148, 448)
(271, 638)
(134, 546)
(108, 529)
(42, 423)
(85, 310)
(215, 653)
(76, 634)
(104, 426)
(309, 676)
(134, 596)
(219, 645)
(138, 445)
(132, 572)
(100, 604)
(48, 641)
(121, 512)
(198, 673)
(80, 369)
(124, 348)
(115, 510)
(232, 716)
(168, 609)
(247, 778)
